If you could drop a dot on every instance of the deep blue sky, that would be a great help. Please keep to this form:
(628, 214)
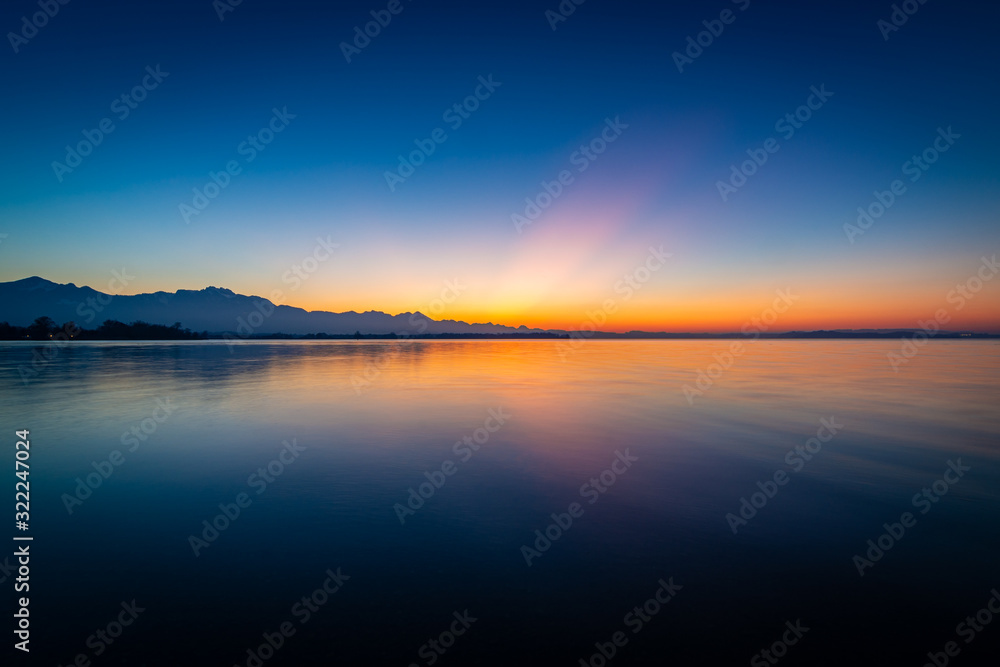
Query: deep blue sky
(657, 184)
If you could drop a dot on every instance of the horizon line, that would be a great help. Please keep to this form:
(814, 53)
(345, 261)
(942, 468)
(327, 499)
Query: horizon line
(858, 331)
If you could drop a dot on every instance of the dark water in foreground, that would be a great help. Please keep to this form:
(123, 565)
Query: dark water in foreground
(197, 424)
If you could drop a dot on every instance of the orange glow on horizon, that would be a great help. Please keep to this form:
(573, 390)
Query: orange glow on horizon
(719, 317)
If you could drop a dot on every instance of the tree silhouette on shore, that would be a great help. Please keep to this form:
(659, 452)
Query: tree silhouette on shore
(45, 328)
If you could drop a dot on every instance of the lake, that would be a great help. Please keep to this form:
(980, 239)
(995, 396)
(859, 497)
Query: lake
(376, 503)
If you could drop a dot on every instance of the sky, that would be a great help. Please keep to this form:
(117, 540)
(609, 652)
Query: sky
(354, 182)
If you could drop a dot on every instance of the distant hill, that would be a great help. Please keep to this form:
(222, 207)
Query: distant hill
(213, 309)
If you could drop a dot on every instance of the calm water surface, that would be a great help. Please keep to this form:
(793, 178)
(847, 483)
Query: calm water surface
(369, 421)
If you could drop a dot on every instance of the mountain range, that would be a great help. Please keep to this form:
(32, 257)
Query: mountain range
(220, 311)
(213, 309)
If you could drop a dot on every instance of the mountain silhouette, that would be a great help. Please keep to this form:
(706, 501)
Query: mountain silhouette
(213, 309)
(221, 311)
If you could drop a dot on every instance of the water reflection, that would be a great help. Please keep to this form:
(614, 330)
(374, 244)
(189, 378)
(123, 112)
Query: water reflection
(368, 442)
